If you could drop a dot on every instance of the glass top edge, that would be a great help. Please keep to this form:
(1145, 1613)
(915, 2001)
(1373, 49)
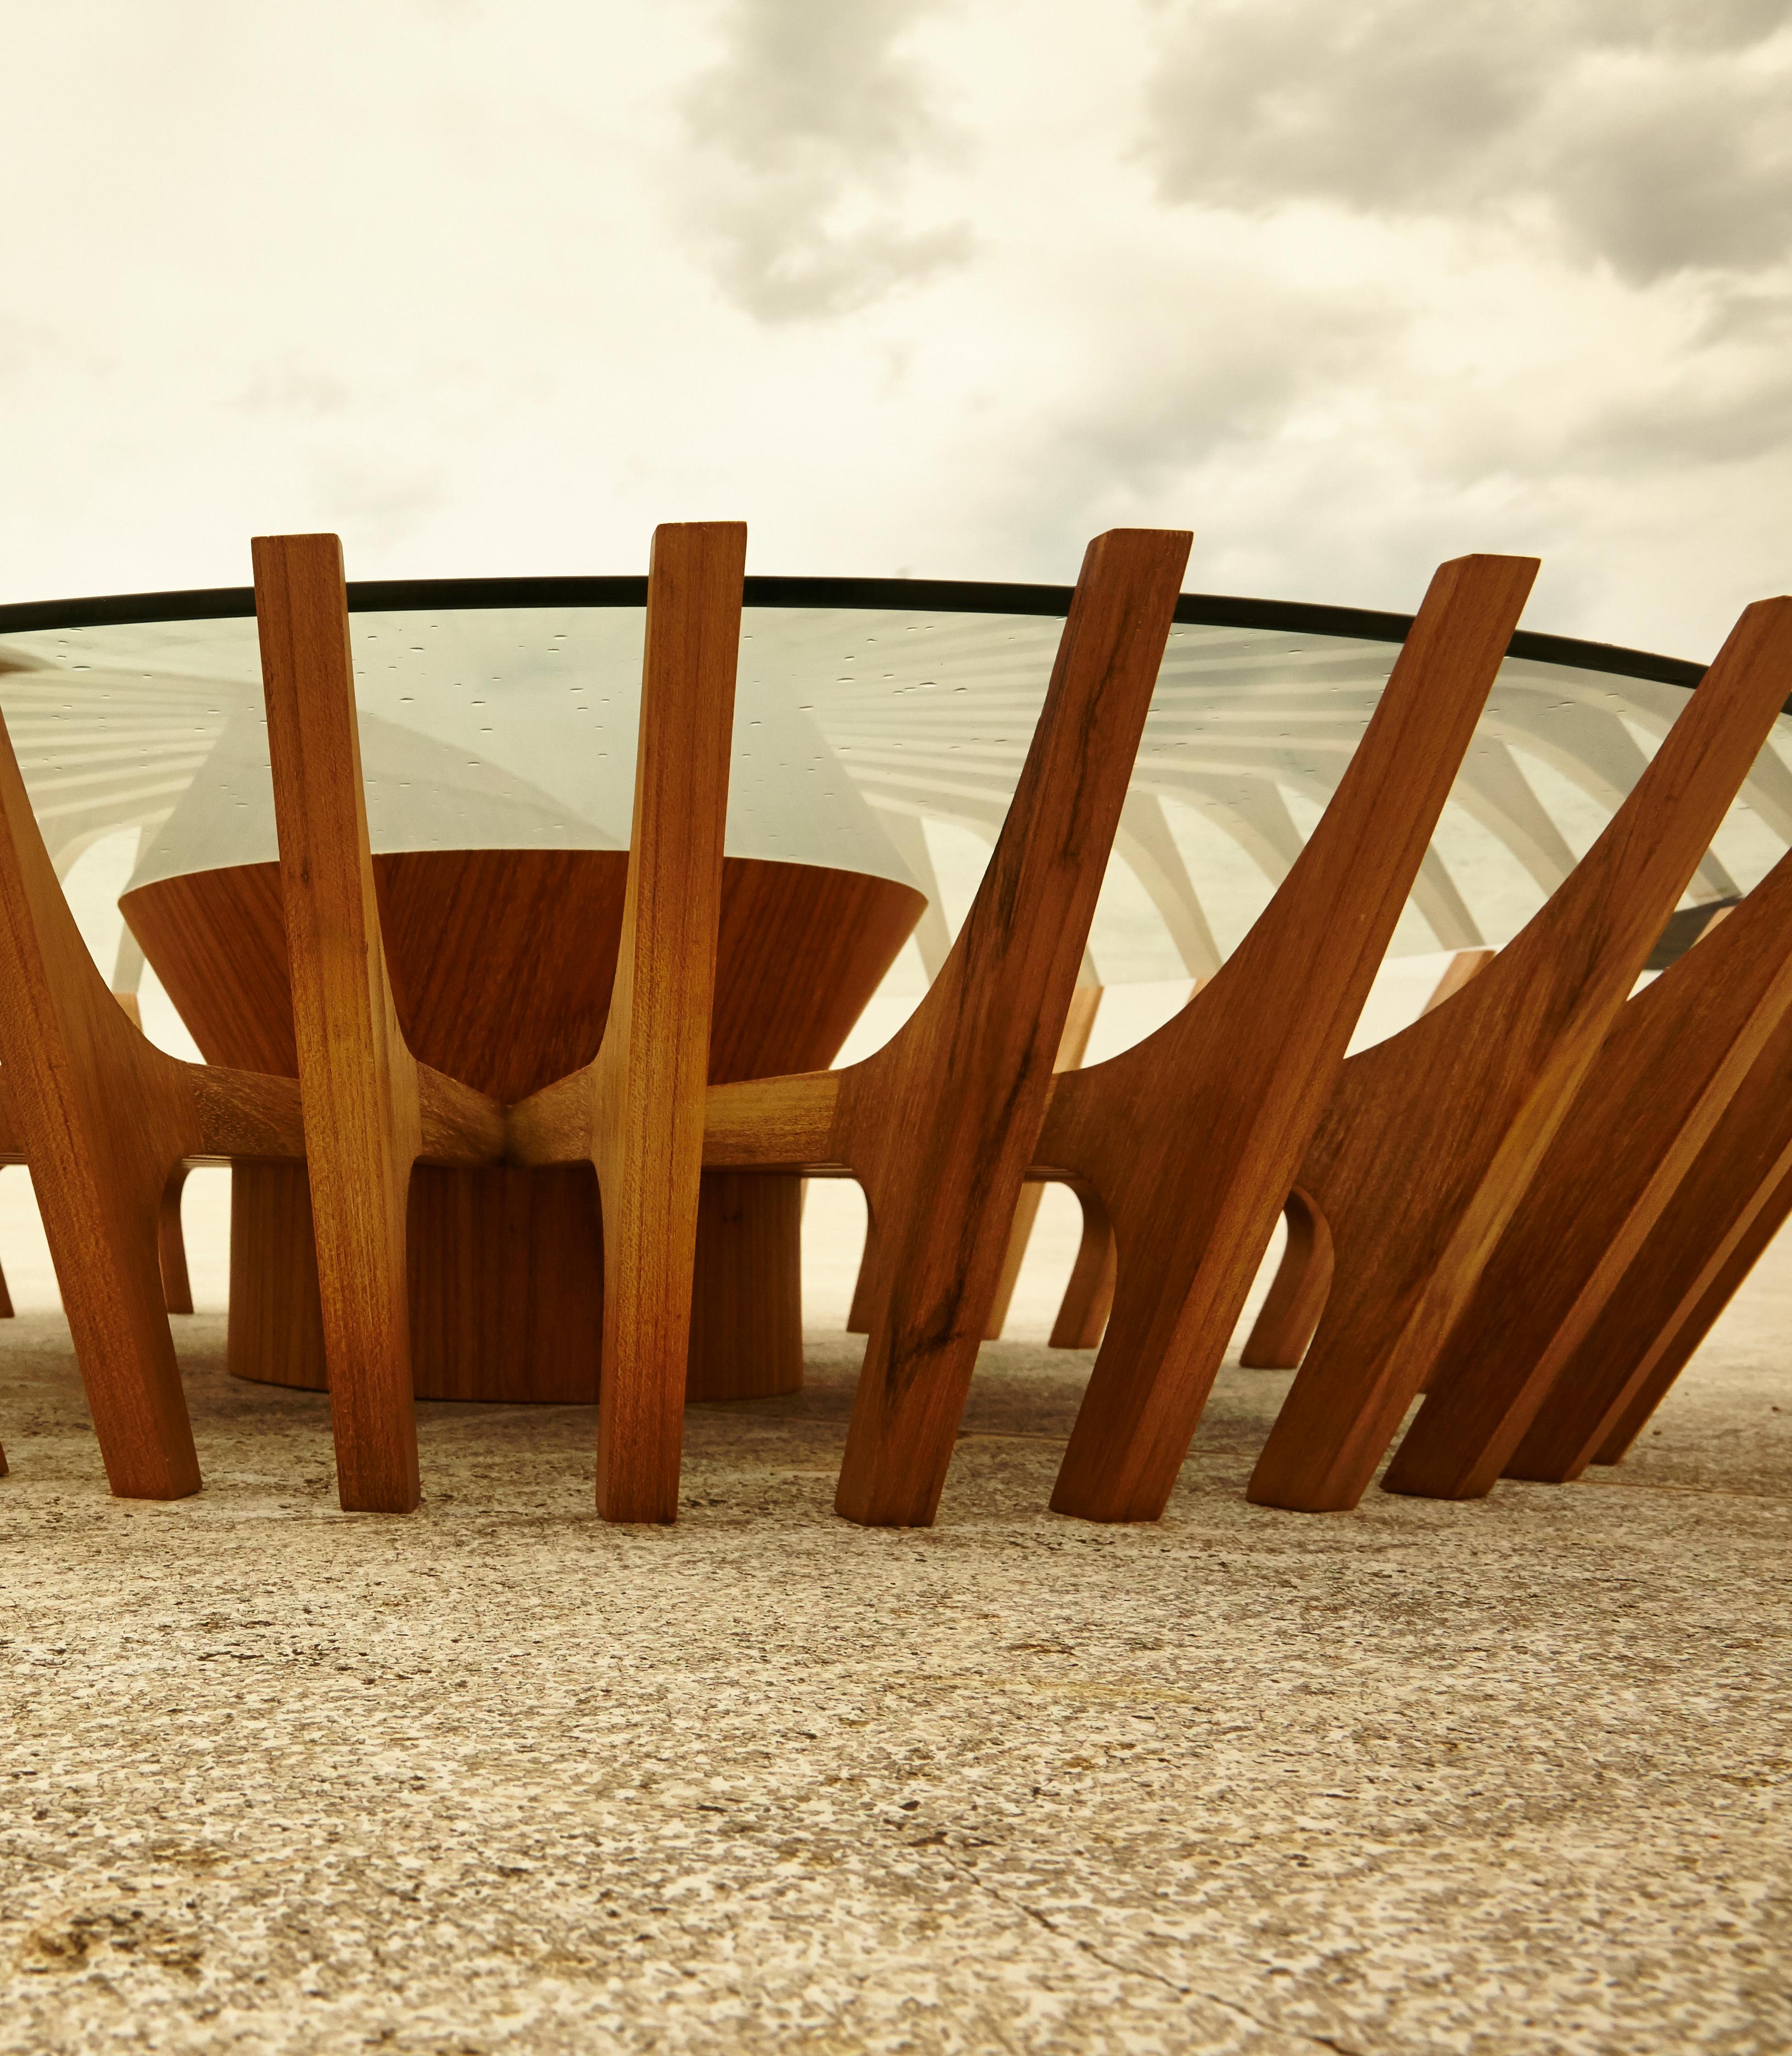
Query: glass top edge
(933, 595)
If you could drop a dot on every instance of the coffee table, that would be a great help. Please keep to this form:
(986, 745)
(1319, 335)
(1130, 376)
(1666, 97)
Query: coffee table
(879, 729)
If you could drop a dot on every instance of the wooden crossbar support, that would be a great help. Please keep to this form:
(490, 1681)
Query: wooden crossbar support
(637, 1111)
(370, 1109)
(1193, 1136)
(1433, 1136)
(939, 1126)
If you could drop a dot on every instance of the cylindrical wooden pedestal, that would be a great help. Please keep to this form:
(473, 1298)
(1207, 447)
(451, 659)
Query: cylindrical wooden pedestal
(507, 1284)
(501, 963)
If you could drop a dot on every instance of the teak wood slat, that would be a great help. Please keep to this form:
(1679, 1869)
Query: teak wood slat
(1088, 1300)
(1433, 1136)
(105, 1119)
(939, 1126)
(1747, 1243)
(1193, 1136)
(1721, 1215)
(1677, 1054)
(370, 1109)
(637, 1112)
(171, 1246)
(1297, 1294)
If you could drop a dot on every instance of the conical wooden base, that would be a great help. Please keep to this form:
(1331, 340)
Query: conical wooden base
(501, 963)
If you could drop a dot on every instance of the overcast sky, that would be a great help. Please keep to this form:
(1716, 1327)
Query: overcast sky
(1346, 287)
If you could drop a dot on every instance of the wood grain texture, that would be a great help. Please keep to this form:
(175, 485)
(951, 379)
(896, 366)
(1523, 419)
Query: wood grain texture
(939, 1126)
(1677, 1055)
(864, 1285)
(274, 1329)
(171, 1246)
(104, 1118)
(1720, 1217)
(648, 1078)
(801, 952)
(368, 1112)
(1194, 1136)
(1088, 1300)
(521, 1320)
(1084, 1004)
(506, 1284)
(501, 963)
(637, 1111)
(746, 1311)
(1433, 1136)
(1297, 1294)
(1465, 965)
(1671, 1352)
(363, 1124)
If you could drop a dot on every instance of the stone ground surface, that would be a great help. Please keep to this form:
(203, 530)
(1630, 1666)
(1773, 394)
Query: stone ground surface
(1507, 1776)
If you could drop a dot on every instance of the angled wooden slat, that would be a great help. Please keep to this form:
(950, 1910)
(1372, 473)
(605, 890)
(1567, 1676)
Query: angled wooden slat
(1466, 964)
(171, 1246)
(1085, 1003)
(637, 1112)
(1671, 1353)
(1433, 1136)
(1088, 1300)
(370, 1110)
(1746, 1245)
(1193, 1136)
(104, 1118)
(939, 1126)
(864, 1285)
(1723, 1214)
(1676, 1056)
(177, 1292)
(1297, 1294)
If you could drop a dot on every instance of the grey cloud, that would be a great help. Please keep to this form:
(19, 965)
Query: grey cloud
(804, 135)
(1657, 135)
(1185, 380)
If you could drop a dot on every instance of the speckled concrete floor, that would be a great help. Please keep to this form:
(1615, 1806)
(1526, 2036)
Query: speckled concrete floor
(1507, 1776)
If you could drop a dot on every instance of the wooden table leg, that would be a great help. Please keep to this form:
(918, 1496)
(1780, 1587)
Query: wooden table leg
(1083, 1312)
(1194, 1136)
(1433, 1137)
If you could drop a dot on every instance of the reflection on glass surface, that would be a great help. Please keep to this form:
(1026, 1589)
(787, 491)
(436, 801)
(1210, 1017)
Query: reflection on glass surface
(877, 739)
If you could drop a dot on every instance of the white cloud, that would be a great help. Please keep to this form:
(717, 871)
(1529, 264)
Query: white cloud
(1655, 136)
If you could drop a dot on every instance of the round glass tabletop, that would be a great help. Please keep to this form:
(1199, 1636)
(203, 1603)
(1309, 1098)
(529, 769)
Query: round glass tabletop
(880, 726)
